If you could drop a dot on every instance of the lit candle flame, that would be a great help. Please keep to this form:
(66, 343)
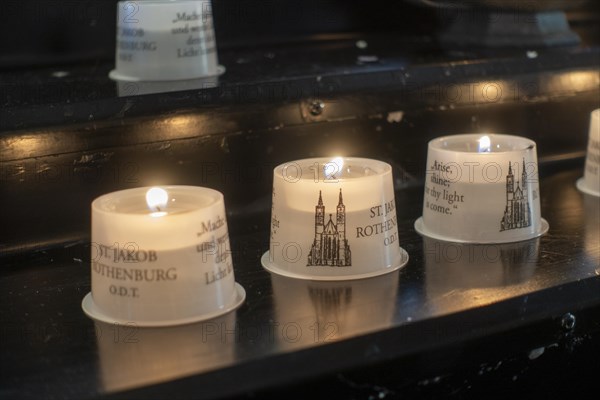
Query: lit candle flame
(485, 144)
(157, 199)
(333, 169)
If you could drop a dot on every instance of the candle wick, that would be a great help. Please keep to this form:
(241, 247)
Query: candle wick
(158, 208)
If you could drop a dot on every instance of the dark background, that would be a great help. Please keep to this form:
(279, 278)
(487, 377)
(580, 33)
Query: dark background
(38, 32)
(64, 141)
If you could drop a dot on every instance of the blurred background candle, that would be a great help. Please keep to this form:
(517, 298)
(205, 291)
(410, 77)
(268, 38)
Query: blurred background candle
(334, 218)
(161, 40)
(310, 312)
(481, 188)
(161, 256)
(590, 183)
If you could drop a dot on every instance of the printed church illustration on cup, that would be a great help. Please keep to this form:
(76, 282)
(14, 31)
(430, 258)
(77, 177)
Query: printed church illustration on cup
(330, 246)
(517, 213)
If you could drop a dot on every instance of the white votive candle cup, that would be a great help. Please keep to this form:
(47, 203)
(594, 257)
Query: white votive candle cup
(167, 264)
(481, 188)
(159, 40)
(334, 219)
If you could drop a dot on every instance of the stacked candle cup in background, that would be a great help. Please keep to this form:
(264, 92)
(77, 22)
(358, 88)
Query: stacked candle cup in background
(160, 40)
(165, 46)
(590, 183)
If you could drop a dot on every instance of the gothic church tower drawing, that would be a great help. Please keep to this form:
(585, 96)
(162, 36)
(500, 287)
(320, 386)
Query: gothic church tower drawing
(517, 213)
(330, 246)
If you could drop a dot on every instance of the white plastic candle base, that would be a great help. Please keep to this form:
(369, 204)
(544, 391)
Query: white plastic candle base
(272, 267)
(138, 88)
(422, 230)
(117, 76)
(92, 311)
(581, 186)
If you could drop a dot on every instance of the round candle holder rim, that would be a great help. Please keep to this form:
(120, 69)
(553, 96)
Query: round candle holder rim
(580, 184)
(218, 196)
(117, 76)
(166, 2)
(90, 308)
(386, 168)
(421, 229)
(530, 144)
(272, 267)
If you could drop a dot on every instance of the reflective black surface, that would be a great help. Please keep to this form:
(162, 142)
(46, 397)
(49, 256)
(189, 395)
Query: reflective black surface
(414, 71)
(290, 329)
(69, 134)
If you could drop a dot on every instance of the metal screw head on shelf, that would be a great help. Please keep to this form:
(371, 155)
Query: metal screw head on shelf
(568, 321)
(316, 107)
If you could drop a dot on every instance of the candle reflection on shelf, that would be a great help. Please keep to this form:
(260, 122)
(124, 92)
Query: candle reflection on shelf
(312, 312)
(474, 274)
(132, 357)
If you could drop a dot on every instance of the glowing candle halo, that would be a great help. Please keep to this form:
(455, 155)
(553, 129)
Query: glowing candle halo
(484, 144)
(157, 199)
